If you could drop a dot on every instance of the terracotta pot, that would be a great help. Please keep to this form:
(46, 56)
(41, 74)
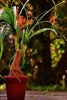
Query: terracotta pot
(14, 88)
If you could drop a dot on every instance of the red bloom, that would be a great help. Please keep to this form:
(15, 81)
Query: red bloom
(21, 21)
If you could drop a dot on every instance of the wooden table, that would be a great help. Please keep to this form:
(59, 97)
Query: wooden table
(39, 95)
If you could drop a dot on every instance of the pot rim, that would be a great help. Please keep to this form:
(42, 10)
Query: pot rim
(23, 76)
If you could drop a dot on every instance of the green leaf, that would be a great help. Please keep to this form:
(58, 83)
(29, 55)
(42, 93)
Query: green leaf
(42, 30)
(7, 16)
(23, 53)
(1, 46)
(26, 36)
(18, 32)
(14, 14)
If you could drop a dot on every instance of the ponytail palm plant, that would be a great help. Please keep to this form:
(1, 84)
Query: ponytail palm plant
(9, 24)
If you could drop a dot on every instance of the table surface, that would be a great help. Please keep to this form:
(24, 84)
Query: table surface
(39, 95)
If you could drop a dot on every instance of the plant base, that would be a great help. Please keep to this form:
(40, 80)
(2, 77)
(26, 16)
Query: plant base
(14, 88)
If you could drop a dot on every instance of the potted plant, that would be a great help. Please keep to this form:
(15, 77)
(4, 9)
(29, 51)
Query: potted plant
(16, 80)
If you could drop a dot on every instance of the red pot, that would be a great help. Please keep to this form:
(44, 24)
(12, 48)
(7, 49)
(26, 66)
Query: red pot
(14, 88)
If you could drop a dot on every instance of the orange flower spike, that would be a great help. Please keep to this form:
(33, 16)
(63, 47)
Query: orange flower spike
(21, 21)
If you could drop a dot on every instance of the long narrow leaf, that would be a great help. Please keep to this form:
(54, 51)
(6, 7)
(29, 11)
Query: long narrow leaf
(26, 36)
(1, 46)
(7, 15)
(42, 30)
(23, 53)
